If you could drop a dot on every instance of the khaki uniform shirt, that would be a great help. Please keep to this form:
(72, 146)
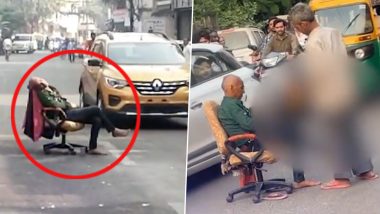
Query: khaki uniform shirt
(289, 44)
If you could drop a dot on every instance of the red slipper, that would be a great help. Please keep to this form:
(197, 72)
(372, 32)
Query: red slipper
(274, 196)
(368, 176)
(336, 184)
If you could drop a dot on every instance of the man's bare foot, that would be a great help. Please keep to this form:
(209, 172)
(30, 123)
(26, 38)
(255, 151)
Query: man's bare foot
(96, 152)
(336, 184)
(120, 132)
(368, 176)
(305, 183)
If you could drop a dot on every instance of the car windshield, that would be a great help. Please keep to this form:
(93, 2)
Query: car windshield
(145, 54)
(236, 40)
(349, 20)
(23, 38)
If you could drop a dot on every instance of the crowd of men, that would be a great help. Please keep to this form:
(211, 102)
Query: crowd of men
(280, 37)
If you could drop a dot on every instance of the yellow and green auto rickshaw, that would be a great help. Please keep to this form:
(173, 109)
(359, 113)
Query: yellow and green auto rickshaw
(357, 21)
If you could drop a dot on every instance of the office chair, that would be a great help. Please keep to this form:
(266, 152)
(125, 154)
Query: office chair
(250, 162)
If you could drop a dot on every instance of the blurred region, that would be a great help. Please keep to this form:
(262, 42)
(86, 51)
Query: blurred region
(319, 102)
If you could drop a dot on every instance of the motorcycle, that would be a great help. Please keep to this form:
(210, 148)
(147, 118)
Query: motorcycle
(262, 65)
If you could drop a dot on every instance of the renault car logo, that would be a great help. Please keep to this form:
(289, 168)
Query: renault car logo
(157, 84)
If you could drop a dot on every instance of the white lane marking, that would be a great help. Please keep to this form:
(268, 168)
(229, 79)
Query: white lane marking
(17, 63)
(177, 206)
(117, 152)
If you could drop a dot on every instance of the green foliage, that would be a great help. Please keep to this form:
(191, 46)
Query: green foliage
(27, 12)
(223, 14)
(13, 15)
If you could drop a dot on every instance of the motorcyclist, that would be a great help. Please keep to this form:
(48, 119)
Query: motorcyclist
(7, 46)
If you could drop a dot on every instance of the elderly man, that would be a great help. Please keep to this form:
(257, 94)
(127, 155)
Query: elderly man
(237, 119)
(332, 96)
(50, 97)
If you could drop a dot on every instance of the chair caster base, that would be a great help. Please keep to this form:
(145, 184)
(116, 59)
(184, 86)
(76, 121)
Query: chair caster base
(229, 198)
(256, 198)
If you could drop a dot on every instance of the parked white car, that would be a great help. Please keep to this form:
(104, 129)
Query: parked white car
(24, 42)
(202, 150)
(238, 39)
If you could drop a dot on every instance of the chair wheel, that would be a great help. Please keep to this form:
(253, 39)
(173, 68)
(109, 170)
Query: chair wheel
(229, 198)
(83, 150)
(72, 152)
(46, 151)
(289, 190)
(256, 198)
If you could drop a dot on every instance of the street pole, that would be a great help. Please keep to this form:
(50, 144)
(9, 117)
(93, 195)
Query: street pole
(131, 14)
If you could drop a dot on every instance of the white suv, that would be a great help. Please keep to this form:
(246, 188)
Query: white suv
(238, 39)
(24, 42)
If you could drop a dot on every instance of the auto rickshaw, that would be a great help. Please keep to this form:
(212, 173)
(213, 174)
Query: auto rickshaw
(357, 22)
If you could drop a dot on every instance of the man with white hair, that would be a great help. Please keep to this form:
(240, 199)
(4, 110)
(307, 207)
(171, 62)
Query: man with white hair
(333, 95)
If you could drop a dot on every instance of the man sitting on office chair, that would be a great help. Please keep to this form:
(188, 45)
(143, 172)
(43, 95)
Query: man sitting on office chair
(237, 119)
(50, 97)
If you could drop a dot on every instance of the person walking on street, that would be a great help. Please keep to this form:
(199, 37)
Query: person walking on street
(71, 46)
(332, 104)
(90, 42)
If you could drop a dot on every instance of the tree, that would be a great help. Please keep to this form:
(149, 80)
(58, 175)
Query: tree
(13, 15)
(230, 13)
(28, 13)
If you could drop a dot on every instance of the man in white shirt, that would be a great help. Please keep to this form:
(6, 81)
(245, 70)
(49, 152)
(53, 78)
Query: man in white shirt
(332, 97)
(7, 47)
(7, 44)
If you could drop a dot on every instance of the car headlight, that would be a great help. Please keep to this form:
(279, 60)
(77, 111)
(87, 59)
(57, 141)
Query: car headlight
(116, 83)
(270, 62)
(362, 53)
(359, 53)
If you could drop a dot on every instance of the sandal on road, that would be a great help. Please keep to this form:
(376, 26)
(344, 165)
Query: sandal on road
(368, 176)
(336, 184)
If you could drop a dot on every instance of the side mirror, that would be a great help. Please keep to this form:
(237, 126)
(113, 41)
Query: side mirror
(253, 47)
(256, 76)
(94, 62)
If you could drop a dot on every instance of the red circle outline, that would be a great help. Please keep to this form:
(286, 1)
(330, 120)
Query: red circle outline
(69, 176)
